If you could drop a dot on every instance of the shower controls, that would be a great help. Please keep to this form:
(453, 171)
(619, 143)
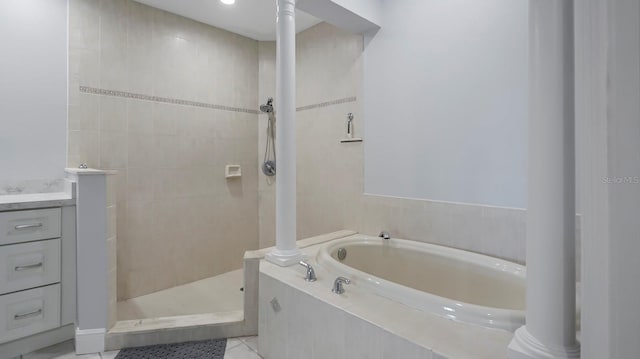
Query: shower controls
(269, 168)
(311, 274)
(338, 285)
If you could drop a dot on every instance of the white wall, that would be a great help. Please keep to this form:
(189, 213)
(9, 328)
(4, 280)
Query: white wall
(445, 101)
(33, 89)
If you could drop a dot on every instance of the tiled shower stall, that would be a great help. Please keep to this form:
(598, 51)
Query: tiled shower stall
(168, 102)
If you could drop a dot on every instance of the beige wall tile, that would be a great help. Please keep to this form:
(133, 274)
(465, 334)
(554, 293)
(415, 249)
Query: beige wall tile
(86, 114)
(138, 188)
(329, 174)
(84, 24)
(89, 142)
(267, 218)
(113, 35)
(113, 114)
(140, 117)
(139, 46)
(84, 69)
(141, 151)
(170, 178)
(113, 150)
(167, 152)
(111, 221)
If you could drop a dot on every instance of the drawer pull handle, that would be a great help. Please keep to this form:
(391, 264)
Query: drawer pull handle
(27, 226)
(27, 267)
(27, 315)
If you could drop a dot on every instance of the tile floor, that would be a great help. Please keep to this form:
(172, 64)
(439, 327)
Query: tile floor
(210, 295)
(237, 348)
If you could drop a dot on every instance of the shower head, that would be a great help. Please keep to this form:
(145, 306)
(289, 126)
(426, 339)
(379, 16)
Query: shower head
(268, 107)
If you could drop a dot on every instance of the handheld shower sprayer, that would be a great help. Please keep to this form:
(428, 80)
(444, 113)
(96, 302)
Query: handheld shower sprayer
(268, 107)
(269, 162)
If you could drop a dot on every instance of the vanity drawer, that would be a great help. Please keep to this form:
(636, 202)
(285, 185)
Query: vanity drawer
(29, 312)
(25, 226)
(28, 265)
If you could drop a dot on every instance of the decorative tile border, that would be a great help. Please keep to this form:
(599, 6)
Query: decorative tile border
(137, 96)
(328, 103)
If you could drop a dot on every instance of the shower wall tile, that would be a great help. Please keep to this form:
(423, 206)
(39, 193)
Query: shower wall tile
(84, 20)
(113, 114)
(329, 174)
(89, 149)
(82, 116)
(140, 117)
(112, 235)
(267, 218)
(179, 219)
(83, 64)
(141, 151)
(138, 189)
(113, 150)
(328, 63)
(266, 185)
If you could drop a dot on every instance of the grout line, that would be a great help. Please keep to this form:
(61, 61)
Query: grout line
(248, 346)
(240, 342)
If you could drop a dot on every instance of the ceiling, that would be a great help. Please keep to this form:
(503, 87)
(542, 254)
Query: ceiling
(251, 18)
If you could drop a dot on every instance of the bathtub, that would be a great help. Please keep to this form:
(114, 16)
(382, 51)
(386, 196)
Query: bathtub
(453, 283)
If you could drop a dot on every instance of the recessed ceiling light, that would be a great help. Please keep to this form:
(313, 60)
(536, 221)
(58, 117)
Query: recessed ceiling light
(228, 2)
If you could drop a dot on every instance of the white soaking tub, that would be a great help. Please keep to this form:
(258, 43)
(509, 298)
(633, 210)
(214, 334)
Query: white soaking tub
(453, 283)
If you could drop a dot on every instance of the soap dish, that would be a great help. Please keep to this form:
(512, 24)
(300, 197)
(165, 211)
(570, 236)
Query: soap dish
(232, 171)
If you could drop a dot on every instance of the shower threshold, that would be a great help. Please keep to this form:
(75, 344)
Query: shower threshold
(211, 308)
(176, 329)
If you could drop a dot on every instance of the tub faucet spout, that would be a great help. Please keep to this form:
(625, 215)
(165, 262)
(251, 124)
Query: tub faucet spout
(311, 274)
(338, 286)
(384, 235)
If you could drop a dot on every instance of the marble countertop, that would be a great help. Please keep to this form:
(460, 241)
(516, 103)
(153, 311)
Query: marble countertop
(35, 200)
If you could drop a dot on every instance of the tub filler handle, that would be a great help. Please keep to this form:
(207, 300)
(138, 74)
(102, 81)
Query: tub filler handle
(311, 274)
(338, 285)
(384, 235)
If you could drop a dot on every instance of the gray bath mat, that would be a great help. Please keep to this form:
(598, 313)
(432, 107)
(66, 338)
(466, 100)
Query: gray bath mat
(208, 349)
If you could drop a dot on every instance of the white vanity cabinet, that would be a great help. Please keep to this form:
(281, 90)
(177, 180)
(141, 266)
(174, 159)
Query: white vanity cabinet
(37, 273)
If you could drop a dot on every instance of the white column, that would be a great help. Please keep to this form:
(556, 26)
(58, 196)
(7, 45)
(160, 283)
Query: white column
(550, 315)
(286, 251)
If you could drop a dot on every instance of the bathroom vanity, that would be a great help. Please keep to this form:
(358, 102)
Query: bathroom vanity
(37, 271)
